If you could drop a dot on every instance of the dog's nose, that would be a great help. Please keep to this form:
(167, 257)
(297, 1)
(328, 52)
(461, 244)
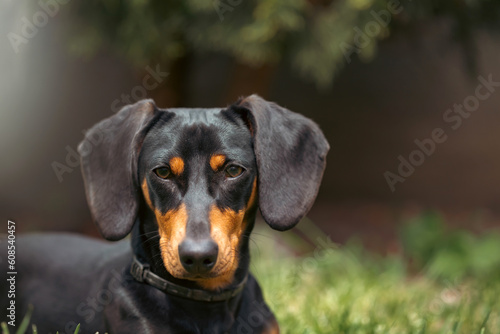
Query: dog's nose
(198, 256)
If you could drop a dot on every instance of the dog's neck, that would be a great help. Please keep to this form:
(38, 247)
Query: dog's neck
(224, 314)
(145, 246)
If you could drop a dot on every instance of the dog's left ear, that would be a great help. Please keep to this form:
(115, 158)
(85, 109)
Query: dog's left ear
(290, 152)
(109, 156)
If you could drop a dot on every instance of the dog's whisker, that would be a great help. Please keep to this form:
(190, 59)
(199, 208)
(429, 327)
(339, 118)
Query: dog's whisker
(153, 238)
(149, 232)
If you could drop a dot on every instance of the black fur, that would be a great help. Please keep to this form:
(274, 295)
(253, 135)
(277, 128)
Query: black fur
(70, 279)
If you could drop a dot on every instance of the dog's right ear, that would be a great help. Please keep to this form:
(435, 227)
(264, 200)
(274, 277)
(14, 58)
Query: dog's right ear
(109, 156)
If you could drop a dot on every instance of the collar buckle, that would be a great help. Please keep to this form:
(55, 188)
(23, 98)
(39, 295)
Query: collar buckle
(139, 270)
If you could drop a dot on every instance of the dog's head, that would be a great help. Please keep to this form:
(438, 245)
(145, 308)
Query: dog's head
(197, 177)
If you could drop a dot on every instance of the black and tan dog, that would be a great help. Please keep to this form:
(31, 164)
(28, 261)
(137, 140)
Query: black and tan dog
(187, 183)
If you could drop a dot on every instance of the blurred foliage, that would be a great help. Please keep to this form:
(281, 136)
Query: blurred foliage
(451, 255)
(316, 37)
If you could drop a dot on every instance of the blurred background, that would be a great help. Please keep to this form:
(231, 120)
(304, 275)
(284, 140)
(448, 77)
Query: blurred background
(376, 75)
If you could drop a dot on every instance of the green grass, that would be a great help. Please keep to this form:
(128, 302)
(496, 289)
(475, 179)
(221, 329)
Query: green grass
(349, 290)
(23, 327)
(445, 282)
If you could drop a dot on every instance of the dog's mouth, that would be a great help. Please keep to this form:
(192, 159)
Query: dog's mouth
(218, 277)
(197, 277)
(218, 271)
(208, 281)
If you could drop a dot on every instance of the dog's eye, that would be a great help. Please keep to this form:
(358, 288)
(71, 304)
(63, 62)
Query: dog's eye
(233, 171)
(163, 172)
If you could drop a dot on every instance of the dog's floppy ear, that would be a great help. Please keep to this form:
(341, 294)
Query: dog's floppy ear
(109, 155)
(290, 152)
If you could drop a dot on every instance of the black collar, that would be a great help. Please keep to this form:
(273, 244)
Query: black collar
(140, 271)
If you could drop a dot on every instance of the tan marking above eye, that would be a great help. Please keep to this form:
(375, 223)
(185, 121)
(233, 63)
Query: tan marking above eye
(217, 161)
(176, 165)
